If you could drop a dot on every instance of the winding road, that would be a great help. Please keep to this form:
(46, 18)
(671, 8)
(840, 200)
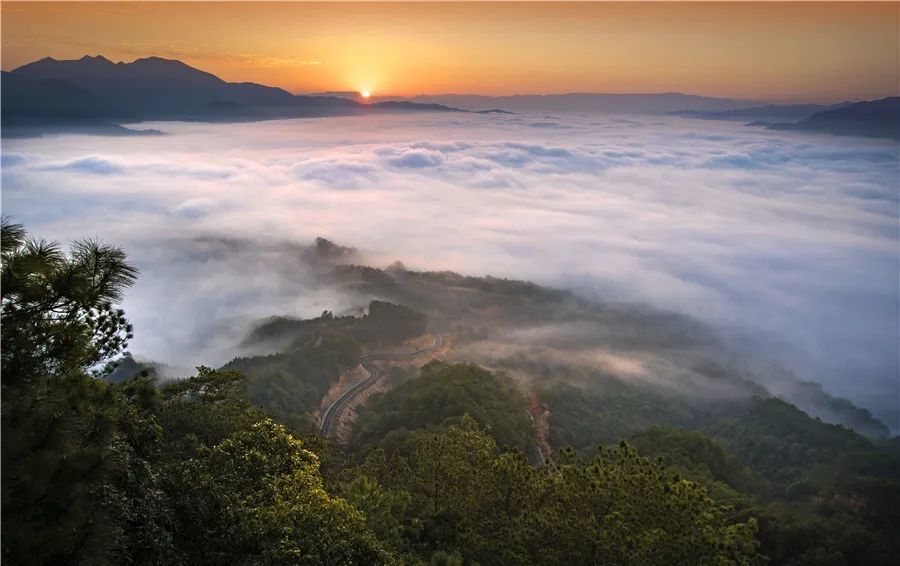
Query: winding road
(329, 417)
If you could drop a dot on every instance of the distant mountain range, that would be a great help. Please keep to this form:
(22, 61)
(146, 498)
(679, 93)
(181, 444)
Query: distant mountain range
(95, 93)
(766, 112)
(876, 119)
(587, 103)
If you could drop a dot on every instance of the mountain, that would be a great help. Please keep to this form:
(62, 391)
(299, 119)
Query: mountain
(96, 91)
(768, 111)
(49, 97)
(152, 88)
(876, 119)
(349, 94)
(543, 336)
(653, 103)
(413, 106)
(49, 105)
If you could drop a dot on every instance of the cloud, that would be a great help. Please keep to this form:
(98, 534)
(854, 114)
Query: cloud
(12, 159)
(549, 124)
(413, 158)
(338, 173)
(92, 165)
(196, 207)
(786, 242)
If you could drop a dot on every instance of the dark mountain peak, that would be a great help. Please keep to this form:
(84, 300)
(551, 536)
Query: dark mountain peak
(870, 118)
(882, 107)
(327, 249)
(172, 67)
(95, 58)
(154, 60)
(49, 66)
(94, 66)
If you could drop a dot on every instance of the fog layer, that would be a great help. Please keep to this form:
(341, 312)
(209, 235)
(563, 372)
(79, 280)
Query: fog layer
(786, 242)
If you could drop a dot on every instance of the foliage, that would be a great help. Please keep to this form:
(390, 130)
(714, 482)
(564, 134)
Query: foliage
(197, 471)
(58, 308)
(608, 411)
(291, 384)
(441, 392)
(779, 441)
(469, 500)
(104, 473)
(257, 497)
(389, 324)
(386, 324)
(820, 492)
(697, 455)
(60, 427)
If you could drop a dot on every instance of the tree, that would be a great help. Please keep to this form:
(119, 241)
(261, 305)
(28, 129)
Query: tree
(60, 427)
(620, 508)
(258, 497)
(493, 507)
(58, 309)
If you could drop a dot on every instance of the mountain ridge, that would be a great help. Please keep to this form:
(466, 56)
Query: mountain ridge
(869, 118)
(586, 102)
(52, 95)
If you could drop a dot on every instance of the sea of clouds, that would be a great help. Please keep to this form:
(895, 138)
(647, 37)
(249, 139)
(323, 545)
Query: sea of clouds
(787, 242)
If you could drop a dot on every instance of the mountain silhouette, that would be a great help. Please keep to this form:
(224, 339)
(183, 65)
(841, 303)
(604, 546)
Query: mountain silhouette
(875, 118)
(585, 102)
(96, 90)
(769, 111)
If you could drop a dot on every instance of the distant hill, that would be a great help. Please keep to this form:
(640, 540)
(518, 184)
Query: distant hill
(349, 94)
(51, 93)
(768, 111)
(414, 106)
(876, 118)
(653, 103)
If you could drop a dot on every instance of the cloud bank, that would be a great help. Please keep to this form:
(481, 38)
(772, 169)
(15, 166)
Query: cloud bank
(786, 242)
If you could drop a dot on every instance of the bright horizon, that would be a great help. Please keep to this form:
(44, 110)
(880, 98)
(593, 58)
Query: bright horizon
(807, 52)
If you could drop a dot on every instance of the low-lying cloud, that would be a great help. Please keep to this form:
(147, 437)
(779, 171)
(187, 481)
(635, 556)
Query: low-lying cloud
(787, 242)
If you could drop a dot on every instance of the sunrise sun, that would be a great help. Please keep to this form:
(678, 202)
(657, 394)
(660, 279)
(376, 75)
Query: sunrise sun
(365, 94)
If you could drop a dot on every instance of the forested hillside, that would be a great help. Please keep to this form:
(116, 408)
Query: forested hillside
(224, 467)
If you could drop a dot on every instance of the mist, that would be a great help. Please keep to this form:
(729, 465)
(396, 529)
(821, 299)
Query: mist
(786, 243)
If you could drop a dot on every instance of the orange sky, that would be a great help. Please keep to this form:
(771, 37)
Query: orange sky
(778, 52)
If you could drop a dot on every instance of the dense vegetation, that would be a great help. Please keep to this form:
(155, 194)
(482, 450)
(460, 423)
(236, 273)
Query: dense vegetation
(116, 473)
(822, 494)
(454, 495)
(441, 394)
(385, 324)
(291, 384)
(219, 468)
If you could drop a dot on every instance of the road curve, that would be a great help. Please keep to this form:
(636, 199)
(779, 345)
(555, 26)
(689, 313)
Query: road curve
(329, 417)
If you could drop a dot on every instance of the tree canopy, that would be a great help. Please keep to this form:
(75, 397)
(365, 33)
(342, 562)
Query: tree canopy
(218, 467)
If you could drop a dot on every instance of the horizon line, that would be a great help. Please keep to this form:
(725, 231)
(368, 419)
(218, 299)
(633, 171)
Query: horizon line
(376, 96)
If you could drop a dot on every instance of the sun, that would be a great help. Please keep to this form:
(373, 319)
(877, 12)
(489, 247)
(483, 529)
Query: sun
(365, 94)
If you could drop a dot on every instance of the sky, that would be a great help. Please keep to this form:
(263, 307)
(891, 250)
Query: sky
(791, 52)
(786, 242)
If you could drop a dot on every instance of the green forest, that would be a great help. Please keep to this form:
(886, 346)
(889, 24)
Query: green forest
(226, 466)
